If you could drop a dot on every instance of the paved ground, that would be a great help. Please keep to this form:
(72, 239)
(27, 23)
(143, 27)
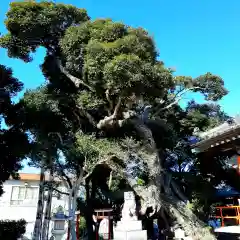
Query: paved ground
(229, 229)
(228, 233)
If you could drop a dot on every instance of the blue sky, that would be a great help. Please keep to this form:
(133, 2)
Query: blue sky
(193, 36)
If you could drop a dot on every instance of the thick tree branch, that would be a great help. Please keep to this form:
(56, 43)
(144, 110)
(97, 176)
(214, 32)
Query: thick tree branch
(79, 179)
(117, 107)
(110, 120)
(61, 192)
(109, 101)
(87, 115)
(68, 180)
(176, 100)
(178, 192)
(110, 180)
(77, 82)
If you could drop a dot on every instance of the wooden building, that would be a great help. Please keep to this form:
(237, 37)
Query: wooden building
(224, 140)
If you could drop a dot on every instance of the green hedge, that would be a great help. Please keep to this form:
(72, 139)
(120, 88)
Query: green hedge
(82, 226)
(12, 230)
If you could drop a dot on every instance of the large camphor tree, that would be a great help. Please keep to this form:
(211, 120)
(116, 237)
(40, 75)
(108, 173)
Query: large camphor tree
(107, 80)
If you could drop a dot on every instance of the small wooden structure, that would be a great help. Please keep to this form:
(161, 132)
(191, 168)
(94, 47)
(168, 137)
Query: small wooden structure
(100, 214)
(225, 137)
(103, 213)
(223, 140)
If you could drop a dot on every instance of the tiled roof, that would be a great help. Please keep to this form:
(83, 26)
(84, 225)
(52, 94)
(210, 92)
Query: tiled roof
(224, 133)
(223, 128)
(29, 176)
(35, 177)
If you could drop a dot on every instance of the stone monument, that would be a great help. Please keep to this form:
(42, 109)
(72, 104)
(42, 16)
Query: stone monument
(129, 228)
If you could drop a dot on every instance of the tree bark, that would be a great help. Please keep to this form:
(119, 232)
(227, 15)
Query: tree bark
(87, 211)
(73, 209)
(47, 215)
(72, 204)
(158, 193)
(152, 197)
(38, 223)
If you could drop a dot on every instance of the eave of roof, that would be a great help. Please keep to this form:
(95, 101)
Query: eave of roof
(231, 134)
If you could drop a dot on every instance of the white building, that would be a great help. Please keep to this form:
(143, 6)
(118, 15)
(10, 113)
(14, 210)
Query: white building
(20, 200)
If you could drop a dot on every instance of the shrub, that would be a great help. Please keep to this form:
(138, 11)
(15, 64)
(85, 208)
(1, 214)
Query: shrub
(12, 230)
(82, 226)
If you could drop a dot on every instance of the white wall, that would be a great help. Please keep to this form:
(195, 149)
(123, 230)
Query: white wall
(27, 210)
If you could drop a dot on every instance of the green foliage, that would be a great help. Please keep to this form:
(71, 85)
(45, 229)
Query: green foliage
(88, 150)
(212, 86)
(82, 226)
(99, 148)
(204, 116)
(37, 107)
(14, 143)
(201, 206)
(32, 24)
(9, 87)
(90, 101)
(108, 56)
(126, 53)
(12, 230)
(118, 73)
(140, 182)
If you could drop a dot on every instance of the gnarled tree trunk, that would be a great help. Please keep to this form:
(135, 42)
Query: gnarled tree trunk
(177, 210)
(158, 193)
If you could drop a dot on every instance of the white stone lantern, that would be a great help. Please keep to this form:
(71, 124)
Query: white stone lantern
(59, 220)
(179, 234)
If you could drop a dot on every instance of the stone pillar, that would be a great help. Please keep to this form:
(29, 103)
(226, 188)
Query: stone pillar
(129, 228)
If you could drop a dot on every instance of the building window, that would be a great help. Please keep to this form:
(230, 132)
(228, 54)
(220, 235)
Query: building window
(23, 194)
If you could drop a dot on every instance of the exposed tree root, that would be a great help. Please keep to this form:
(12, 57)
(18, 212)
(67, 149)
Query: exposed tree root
(152, 198)
(178, 211)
